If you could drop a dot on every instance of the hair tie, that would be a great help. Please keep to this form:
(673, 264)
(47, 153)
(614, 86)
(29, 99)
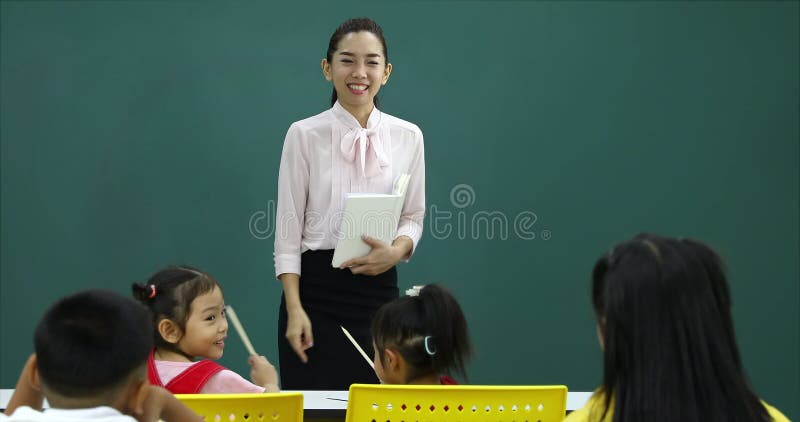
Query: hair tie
(428, 349)
(152, 291)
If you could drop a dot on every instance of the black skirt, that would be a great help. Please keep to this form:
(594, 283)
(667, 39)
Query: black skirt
(332, 298)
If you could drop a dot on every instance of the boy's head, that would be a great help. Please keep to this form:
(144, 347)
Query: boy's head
(92, 348)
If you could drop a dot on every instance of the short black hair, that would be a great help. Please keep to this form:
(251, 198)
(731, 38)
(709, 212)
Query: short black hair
(90, 342)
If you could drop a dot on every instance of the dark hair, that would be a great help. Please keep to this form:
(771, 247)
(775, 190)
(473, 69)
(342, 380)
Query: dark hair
(405, 323)
(169, 294)
(663, 307)
(355, 25)
(90, 342)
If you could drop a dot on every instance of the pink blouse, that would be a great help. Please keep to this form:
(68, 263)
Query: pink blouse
(329, 155)
(224, 381)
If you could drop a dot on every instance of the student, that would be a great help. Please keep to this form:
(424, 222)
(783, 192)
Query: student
(421, 338)
(352, 147)
(90, 364)
(664, 323)
(188, 313)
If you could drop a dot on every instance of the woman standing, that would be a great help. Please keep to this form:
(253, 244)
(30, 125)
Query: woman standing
(351, 147)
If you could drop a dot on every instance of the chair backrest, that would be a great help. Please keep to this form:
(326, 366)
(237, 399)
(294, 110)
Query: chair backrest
(280, 407)
(435, 403)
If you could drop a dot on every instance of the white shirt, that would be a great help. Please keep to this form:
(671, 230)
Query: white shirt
(316, 173)
(94, 414)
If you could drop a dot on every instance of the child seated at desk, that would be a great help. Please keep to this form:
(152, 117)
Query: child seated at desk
(421, 338)
(188, 312)
(664, 323)
(90, 364)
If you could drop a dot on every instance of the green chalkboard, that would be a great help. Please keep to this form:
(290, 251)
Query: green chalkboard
(141, 134)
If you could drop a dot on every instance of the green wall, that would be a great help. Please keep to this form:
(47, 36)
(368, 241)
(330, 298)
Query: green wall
(139, 134)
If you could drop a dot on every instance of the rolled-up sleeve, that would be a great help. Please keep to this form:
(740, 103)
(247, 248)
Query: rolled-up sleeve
(293, 179)
(413, 214)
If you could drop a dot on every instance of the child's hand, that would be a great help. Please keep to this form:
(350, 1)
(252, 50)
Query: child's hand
(263, 373)
(161, 405)
(27, 393)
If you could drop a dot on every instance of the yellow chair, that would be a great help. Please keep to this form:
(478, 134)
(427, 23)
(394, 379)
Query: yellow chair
(280, 407)
(437, 403)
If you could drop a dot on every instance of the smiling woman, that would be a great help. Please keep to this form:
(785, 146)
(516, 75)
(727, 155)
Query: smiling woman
(351, 148)
(358, 66)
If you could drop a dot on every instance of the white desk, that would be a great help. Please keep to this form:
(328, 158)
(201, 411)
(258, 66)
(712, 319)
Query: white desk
(333, 404)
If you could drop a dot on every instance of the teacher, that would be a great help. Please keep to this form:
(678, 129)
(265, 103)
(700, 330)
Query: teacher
(351, 147)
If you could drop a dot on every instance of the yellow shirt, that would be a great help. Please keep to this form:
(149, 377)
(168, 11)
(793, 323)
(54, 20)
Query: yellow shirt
(596, 402)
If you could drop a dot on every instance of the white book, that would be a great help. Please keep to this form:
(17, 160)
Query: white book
(373, 214)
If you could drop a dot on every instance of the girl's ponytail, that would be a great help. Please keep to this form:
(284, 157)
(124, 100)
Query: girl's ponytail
(449, 336)
(429, 330)
(144, 292)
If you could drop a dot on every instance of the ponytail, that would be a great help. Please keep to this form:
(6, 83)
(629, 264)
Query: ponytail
(428, 330)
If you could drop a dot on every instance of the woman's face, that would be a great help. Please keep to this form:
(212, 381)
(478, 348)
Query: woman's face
(358, 69)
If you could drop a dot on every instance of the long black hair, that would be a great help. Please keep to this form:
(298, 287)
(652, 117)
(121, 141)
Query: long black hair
(355, 25)
(429, 330)
(664, 312)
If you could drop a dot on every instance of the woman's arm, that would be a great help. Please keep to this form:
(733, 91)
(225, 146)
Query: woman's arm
(298, 329)
(413, 215)
(293, 181)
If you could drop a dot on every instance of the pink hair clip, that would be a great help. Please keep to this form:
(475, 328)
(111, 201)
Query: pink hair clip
(152, 291)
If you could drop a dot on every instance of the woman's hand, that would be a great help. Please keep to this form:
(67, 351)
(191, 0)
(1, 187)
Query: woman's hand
(381, 258)
(298, 332)
(298, 326)
(263, 373)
